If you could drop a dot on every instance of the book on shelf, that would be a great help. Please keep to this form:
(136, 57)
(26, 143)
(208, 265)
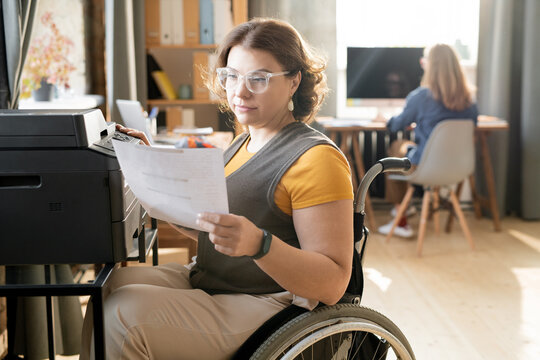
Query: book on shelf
(188, 22)
(191, 22)
(200, 62)
(240, 11)
(152, 23)
(166, 21)
(212, 61)
(178, 22)
(206, 21)
(223, 21)
(164, 84)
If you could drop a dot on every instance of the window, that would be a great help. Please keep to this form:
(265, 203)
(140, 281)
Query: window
(411, 23)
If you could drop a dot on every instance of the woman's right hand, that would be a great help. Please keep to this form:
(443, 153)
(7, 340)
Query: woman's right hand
(134, 133)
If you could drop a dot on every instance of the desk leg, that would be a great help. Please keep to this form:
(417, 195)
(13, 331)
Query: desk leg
(50, 317)
(360, 171)
(476, 198)
(344, 146)
(99, 325)
(490, 182)
(50, 327)
(11, 304)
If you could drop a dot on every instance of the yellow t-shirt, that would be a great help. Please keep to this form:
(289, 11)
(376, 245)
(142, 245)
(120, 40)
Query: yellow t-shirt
(304, 184)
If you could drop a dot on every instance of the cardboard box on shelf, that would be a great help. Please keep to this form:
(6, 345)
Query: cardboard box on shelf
(173, 117)
(165, 256)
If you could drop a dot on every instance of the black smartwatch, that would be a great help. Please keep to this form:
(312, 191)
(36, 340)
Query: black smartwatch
(265, 245)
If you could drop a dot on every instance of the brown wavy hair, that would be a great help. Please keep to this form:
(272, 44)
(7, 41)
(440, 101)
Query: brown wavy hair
(290, 50)
(445, 78)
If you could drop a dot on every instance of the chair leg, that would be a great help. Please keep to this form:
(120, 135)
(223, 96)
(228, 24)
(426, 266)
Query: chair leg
(423, 220)
(450, 218)
(401, 211)
(461, 218)
(436, 212)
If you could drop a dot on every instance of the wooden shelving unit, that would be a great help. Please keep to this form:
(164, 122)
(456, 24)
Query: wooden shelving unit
(176, 61)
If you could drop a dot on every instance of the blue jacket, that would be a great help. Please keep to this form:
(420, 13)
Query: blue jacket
(421, 108)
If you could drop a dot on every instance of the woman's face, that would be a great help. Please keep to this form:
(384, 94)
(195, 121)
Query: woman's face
(259, 110)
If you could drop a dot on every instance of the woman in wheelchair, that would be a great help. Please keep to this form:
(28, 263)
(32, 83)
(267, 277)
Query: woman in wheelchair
(289, 236)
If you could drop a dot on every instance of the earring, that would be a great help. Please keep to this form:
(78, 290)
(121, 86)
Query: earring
(290, 105)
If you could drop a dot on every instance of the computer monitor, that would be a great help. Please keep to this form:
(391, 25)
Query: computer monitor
(382, 76)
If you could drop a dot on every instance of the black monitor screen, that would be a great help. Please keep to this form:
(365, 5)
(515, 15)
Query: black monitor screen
(382, 73)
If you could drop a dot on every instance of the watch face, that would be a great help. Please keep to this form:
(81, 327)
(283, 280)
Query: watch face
(267, 241)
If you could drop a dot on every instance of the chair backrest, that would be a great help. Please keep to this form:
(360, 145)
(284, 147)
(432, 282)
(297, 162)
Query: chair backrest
(448, 156)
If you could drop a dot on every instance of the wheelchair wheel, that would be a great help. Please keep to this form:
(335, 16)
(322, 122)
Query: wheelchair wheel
(342, 331)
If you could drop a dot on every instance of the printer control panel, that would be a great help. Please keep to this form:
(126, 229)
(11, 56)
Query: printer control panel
(105, 144)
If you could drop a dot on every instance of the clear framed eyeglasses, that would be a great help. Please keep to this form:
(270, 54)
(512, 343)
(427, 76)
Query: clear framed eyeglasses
(256, 81)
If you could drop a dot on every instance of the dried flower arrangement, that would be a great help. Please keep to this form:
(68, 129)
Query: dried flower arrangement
(47, 59)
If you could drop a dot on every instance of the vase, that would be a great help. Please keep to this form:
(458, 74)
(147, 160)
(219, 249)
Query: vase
(45, 92)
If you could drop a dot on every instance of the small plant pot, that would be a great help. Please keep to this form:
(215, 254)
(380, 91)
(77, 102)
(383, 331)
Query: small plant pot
(45, 92)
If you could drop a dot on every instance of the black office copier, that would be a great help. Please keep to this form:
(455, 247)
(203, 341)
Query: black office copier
(63, 199)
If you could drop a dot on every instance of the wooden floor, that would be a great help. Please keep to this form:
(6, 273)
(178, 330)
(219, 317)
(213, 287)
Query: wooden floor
(454, 303)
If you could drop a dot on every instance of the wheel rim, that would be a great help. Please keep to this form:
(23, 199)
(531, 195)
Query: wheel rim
(298, 344)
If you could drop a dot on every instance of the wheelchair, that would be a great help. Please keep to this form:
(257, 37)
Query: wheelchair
(346, 330)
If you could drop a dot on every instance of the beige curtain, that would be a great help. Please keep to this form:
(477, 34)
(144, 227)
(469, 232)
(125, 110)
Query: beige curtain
(16, 22)
(508, 87)
(125, 53)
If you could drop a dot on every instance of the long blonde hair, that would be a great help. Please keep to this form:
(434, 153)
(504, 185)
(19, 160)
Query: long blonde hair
(444, 76)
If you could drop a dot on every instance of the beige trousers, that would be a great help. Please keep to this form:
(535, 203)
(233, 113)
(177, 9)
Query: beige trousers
(154, 313)
(395, 189)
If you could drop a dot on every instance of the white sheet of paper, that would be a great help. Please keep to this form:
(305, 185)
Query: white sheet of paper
(175, 185)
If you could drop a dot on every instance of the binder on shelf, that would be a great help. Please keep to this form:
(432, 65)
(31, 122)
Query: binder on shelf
(212, 61)
(152, 23)
(191, 22)
(200, 62)
(177, 15)
(164, 84)
(206, 21)
(223, 19)
(240, 11)
(166, 21)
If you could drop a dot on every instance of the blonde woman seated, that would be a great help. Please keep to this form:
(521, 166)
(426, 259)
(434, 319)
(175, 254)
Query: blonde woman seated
(443, 94)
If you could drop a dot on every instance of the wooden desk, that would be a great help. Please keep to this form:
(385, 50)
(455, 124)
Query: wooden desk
(349, 131)
(486, 125)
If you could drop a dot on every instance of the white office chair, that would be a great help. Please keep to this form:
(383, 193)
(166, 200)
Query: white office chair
(447, 159)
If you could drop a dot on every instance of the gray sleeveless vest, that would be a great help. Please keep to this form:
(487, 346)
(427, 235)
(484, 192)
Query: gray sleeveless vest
(250, 191)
